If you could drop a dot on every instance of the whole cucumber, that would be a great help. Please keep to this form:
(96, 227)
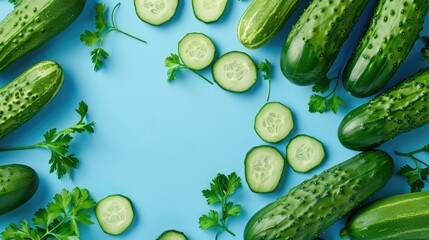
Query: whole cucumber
(18, 183)
(32, 23)
(394, 29)
(26, 95)
(396, 111)
(314, 205)
(317, 37)
(404, 216)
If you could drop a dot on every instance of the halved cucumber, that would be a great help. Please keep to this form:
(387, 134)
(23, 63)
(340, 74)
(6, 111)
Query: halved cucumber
(263, 168)
(274, 122)
(172, 235)
(155, 12)
(235, 71)
(114, 214)
(196, 50)
(208, 11)
(304, 153)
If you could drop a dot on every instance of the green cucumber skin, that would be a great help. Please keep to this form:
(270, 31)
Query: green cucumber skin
(28, 94)
(32, 23)
(314, 205)
(263, 19)
(391, 36)
(18, 183)
(396, 111)
(403, 217)
(316, 39)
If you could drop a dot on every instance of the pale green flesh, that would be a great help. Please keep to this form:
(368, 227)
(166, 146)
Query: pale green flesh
(155, 12)
(304, 153)
(172, 235)
(114, 214)
(209, 10)
(196, 50)
(274, 122)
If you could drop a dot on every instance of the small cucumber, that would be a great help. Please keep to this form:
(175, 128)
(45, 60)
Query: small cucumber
(32, 23)
(274, 122)
(172, 235)
(114, 213)
(209, 11)
(18, 183)
(156, 12)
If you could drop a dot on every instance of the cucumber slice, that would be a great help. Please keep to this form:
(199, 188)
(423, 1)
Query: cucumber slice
(172, 235)
(114, 214)
(274, 122)
(235, 71)
(155, 12)
(196, 50)
(263, 169)
(304, 153)
(209, 11)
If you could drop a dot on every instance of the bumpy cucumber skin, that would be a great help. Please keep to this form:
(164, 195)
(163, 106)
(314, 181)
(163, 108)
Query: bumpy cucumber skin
(391, 36)
(396, 111)
(262, 20)
(32, 23)
(28, 94)
(404, 216)
(315, 40)
(314, 205)
(18, 183)
(168, 232)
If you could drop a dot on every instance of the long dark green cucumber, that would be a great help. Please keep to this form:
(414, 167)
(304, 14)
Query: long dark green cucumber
(399, 110)
(391, 36)
(315, 40)
(263, 19)
(404, 217)
(28, 94)
(18, 183)
(32, 23)
(314, 205)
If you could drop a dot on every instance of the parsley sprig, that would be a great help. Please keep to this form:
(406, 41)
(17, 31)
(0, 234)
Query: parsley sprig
(59, 220)
(265, 68)
(58, 142)
(91, 38)
(174, 64)
(330, 102)
(417, 175)
(221, 188)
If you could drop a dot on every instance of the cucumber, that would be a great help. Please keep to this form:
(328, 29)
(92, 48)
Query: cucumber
(391, 36)
(18, 183)
(114, 214)
(209, 11)
(33, 23)
(396, 111)
(404, 216)
(172, 235)
(263, 19)
(263, 168)
(235, 71)
(29, 93)
(314, 42)
(156, 12)
(196, 50)
(314, 205)
(274, 122)
(304, 153)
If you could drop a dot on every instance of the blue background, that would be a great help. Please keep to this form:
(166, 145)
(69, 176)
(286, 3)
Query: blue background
(161, 143)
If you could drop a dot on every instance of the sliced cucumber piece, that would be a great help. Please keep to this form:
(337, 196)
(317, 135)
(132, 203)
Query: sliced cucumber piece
(304, 153)
(235, 71)
(274, 122)
(263, 169)
(155, 12)
(209, 11)
(172, 235)
(196, 50)
(114, 214)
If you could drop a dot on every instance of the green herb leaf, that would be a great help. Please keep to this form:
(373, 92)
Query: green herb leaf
(265, 68)
(417, 175)
(90, 38)
(100, 19)
(330, 102)
(322, 86)
(97, 57)
(210, 220)
(334, 103)
(317, 103)
(174, 64)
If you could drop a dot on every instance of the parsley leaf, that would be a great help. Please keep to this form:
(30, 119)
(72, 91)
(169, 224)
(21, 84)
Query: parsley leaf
(59, 220)
(418, 175)
(174, 64)
(265, 68)
(58, 142)
(330, 102)
(103, 28)
(221, 188)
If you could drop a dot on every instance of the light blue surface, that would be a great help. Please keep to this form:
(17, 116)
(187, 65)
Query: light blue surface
(161, 143)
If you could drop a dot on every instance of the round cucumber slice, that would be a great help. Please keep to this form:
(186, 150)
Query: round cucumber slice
(172, 235)
(235, 72)
(196, 50)
(274, 122)
(304, 153)
(209, 11)
(114, 214)
(155, 12)
(263, 169)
